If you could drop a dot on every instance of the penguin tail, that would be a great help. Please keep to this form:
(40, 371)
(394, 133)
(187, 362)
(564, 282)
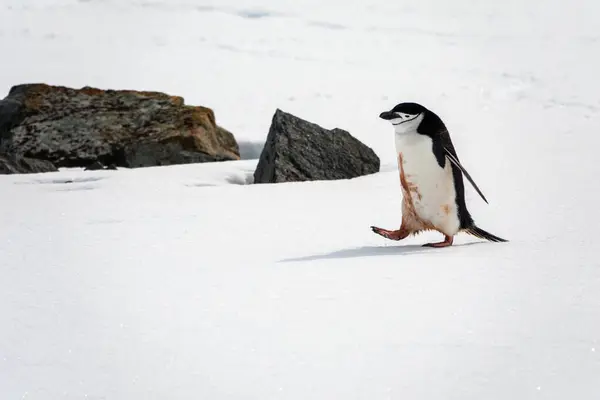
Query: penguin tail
(481, 234)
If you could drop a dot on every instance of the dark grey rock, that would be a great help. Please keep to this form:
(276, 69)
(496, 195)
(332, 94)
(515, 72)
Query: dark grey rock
(12, 164)
(169, 153)
(298, 150)
(95, 166)
(77, 127)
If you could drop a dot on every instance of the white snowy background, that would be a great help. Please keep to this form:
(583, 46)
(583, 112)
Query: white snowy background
(185, 282)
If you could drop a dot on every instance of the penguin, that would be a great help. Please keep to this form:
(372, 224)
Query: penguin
(431, 178)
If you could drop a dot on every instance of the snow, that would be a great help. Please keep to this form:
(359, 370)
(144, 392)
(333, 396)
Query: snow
(188, 282)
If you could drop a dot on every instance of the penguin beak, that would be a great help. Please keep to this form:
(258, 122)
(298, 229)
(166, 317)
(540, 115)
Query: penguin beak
(387, 115)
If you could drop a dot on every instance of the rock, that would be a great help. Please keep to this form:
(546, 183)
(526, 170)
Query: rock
(77, 127)
(298, 150)
(11, 164)
(98, 166)
(95, 166)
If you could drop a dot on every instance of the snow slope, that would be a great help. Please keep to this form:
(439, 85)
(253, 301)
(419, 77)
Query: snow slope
(186, 282)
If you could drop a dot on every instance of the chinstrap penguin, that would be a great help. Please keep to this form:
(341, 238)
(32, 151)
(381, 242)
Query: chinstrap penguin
(431, 178)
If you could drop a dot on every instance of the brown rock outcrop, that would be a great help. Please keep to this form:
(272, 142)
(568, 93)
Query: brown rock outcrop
(78, 127)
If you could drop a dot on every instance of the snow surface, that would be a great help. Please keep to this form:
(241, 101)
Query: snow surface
(187, 282)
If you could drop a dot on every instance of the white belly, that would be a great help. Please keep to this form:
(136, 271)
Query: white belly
(427, 188)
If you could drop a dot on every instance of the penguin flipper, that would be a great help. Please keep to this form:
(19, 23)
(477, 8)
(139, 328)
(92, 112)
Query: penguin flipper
(455, 161)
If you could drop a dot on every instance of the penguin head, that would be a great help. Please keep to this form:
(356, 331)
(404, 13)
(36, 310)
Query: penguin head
(405, 117)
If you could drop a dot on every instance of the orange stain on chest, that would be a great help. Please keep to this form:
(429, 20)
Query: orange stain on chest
(408, 187)
(411, 222)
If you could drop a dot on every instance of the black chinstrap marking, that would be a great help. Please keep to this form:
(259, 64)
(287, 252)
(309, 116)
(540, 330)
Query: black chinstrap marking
(408, 120)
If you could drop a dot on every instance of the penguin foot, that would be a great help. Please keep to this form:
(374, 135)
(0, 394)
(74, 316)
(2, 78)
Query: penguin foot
(392, 235)
(446, 243)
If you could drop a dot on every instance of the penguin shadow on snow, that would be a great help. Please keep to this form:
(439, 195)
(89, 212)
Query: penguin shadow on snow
(374, 251)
